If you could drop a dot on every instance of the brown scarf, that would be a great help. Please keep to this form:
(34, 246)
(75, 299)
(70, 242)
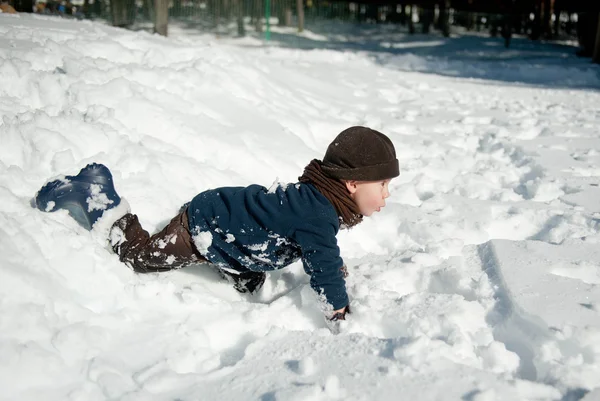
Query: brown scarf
(335, 191)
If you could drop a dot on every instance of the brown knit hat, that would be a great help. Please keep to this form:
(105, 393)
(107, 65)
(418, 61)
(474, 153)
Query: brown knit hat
(361, 154)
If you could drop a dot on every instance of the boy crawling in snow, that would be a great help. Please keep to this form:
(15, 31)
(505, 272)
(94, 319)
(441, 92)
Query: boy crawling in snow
(246, 231)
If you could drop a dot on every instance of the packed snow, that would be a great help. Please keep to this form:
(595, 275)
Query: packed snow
(478, 281)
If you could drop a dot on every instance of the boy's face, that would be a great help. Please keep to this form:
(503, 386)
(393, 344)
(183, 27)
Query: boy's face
(369, 195)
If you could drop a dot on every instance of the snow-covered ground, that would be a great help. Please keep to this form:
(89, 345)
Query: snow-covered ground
(479, 281)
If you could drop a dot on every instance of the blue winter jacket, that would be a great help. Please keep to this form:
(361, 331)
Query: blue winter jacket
(256, 229)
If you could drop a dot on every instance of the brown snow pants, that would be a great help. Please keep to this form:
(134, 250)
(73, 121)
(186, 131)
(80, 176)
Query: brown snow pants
(171, 248)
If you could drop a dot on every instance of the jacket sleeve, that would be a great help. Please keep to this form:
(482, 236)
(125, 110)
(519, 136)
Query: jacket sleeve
(322, 261)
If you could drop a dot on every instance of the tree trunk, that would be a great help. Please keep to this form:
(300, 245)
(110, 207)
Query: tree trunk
(425, 17)
(216, 13)
(402, 14)
(470, 23)
(148, 8)
(258, 13)
(162, 17)
(228, 10)
(587, 28)
(300, 11)
(547, 18)
(569, 24)
(281, 9)
(23, 6)
(177, 11)
(444, 18)
(508, 20)
(537, 21)
(86, 9)
(240, 18)
(122, 12)
(596, 57)
(411, 24)
(558, 13)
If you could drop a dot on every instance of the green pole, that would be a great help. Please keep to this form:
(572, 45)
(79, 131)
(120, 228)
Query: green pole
(267, 18)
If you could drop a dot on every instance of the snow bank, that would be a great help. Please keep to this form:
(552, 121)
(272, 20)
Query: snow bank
(432, 317)
(549, 301)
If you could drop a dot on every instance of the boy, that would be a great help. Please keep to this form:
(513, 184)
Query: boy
(246, 231)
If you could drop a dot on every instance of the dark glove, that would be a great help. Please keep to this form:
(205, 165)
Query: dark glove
(340, 315)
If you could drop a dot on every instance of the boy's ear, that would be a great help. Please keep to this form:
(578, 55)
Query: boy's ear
(351, 186)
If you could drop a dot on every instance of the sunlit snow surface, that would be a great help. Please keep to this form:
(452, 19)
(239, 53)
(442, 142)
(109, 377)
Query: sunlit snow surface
(478, 281)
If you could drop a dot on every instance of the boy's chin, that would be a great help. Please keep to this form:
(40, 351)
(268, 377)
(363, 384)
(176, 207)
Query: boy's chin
(369, 213)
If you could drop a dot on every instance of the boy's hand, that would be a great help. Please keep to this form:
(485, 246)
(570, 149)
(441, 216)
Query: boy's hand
(340, 314)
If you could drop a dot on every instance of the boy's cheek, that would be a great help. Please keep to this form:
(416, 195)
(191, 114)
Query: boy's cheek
(375, 203)
(365, 210)
(371, 209)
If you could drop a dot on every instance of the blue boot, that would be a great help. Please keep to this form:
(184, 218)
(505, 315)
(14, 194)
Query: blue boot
(86, 196)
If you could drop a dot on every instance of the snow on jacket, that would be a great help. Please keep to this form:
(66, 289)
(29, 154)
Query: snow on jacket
(252, 228)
